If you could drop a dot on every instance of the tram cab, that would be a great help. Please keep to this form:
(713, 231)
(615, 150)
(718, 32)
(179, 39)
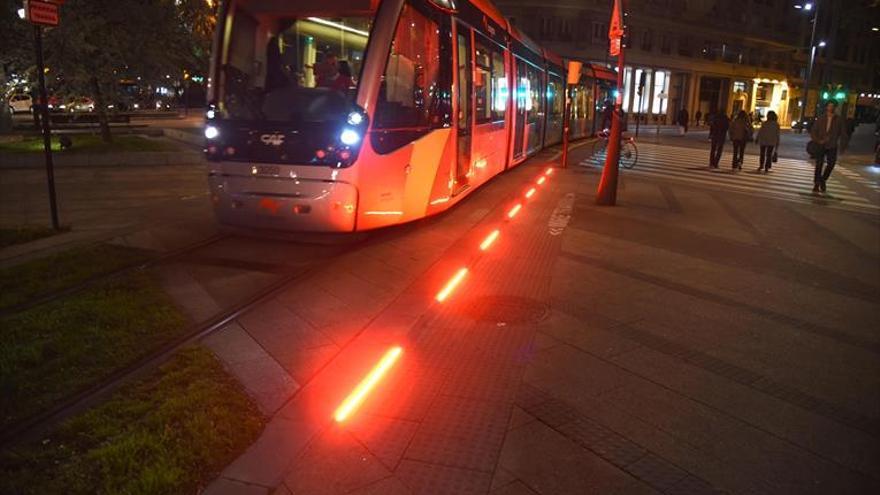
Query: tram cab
(350, 115)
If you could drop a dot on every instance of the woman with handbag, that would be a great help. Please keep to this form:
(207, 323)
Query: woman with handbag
(768, 139)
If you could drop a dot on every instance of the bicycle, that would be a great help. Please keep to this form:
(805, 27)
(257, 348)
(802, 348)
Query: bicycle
(629, 153)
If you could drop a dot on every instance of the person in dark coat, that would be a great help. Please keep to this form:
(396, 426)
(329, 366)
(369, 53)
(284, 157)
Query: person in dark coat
(683, 118)
(718, 134)
(607, 114)
(740, 133)
(697, 117)
(826, 132)
(768, 139)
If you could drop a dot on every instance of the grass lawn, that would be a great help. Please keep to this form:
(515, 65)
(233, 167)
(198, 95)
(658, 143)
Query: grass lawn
(11, 236)
(52, 350)
(91, 143)
(32, 279)
(171, 433)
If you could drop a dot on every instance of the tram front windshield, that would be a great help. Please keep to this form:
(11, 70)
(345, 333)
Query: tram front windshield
(280, 67)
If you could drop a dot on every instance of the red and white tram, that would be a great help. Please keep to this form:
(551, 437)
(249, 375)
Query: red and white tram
(349, 115)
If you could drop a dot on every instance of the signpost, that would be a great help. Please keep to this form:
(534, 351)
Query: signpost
(44, 14)
(607, 192)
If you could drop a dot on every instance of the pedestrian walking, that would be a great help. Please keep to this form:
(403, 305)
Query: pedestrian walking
(768, 140)
(697, 117)
(826, 133)
(607, 113)
(718, 134)
(849, 127)
(683, 118)
(740, 133)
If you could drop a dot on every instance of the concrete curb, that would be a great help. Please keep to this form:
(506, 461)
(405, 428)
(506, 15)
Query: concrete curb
(186, 137)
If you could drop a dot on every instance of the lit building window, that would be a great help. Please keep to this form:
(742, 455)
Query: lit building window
(661, 89)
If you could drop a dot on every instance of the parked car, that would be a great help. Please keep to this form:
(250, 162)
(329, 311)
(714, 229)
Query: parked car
(81, 104)
(20, 102)
(54, 103)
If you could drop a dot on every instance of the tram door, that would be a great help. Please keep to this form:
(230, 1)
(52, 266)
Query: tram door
(465, 125)
(520, 115)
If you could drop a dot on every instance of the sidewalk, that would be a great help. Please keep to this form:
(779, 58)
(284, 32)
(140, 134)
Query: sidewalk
(792, 144)
(164, 207)
(685, 341)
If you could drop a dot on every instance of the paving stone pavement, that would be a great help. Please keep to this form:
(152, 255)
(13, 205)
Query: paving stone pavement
(687, 341)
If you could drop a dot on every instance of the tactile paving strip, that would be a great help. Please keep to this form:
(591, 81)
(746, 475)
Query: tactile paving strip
(619, 451)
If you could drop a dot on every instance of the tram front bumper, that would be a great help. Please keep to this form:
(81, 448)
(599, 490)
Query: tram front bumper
(302, 205)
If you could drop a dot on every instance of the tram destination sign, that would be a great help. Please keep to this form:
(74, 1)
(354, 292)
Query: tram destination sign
(42, 13)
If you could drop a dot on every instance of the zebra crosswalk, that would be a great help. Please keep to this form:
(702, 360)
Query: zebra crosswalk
(790, 179)
(873, 184)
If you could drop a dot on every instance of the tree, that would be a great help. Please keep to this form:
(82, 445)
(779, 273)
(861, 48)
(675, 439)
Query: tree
(100, 40)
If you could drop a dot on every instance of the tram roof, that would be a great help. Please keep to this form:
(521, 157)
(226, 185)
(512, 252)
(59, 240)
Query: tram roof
(491, 10)
(310, 7)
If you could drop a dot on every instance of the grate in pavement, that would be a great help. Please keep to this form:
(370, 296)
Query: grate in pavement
(506, 309)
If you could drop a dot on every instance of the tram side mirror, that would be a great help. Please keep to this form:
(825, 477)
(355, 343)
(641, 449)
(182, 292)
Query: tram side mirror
(574, 72)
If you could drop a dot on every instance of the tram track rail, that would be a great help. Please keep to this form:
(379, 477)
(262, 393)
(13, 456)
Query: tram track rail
(93, 394)
(100, 278)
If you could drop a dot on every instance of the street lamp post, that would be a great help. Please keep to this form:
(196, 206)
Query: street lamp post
(809, 75)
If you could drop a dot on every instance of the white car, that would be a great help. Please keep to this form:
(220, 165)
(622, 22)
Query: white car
(81, 104)
(20, 102)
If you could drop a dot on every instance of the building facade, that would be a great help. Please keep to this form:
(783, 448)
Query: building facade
(711, 56)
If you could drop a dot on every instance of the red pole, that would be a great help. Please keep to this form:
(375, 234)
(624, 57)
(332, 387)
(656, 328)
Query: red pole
(606, 195)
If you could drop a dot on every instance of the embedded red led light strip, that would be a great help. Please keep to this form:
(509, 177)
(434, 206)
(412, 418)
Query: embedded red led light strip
(451, 285)
(357, 396)
(530, 192)
(513, 211)
(541, 180)
(549, 171)
(490, 239)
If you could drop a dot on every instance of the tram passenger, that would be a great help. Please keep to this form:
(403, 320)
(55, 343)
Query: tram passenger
(343, 81)
(275, 76)
(326, 71)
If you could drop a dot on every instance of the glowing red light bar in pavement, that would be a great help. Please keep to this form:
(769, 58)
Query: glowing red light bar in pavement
(490, 239)
(451, 285)
(541, 180)
(530, 192)
(513, 211)
(357, 396)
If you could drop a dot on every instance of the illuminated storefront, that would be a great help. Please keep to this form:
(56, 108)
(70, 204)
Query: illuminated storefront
(767, 95)
(652, 101)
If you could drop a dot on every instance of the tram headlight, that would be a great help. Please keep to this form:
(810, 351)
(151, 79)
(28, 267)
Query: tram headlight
(210, 114)
(211, 132)
(349, 137)
(355, 118)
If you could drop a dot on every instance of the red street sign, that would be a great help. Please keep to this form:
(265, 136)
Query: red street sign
(614, 49)
(43, 13)
(615, 30)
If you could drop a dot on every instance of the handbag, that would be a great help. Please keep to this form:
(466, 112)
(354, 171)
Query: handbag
(813, 148)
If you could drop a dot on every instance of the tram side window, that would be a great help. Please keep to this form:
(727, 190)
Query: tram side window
(410, 84)
(555, 96)
(490, 82)
(537, 103)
